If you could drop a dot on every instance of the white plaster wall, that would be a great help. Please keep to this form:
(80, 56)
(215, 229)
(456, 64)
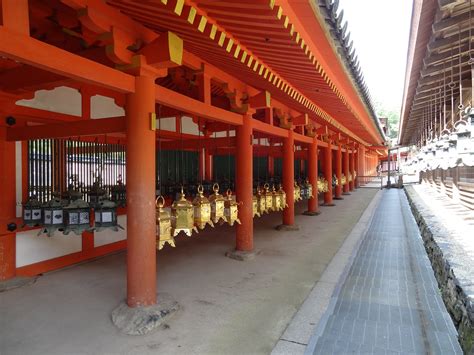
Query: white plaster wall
(61, 99)
(31, 248)
(104, 107)
(109, 236)
(167, 124)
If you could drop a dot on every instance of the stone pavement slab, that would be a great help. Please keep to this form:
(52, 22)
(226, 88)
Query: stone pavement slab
(389, 302)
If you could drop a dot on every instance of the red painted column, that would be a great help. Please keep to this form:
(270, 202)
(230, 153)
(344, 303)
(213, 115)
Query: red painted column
(141, 215)
(7, 206)
(346, 171)
(328, 175)
(289, 178)
(351, 170)
(271, 166)
(243, 184)
(207, 165)
(339, 172)
(313, 206)
(201, 163)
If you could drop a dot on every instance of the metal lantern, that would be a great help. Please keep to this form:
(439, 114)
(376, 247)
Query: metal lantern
(105, 215)
(163, 225)
(32, 212)
(96, 193)
(217, 205)
(343, 180)
(276, 200)
(182, 216)
(231, 209)
(255, 211)
(282, 194)
(77, 217)
(307, 190)
(119, 193)
(350, 177)
(261, 202)
(202, 209)
(53, 215)
(323, 185)
(268, 198)
(297, 192)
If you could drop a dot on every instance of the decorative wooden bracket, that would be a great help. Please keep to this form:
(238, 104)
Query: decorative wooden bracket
(310, 130)
(261, 100)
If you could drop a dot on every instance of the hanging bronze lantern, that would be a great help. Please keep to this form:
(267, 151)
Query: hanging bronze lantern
(323, 185)
(119, 193)
(202, 209)
(261, 202)
(282, 194)
(350, 177)
(276, 200)
(343, 180)
(105, 215)
(32, 212)
(77, 217)
(163, 225)
(268, 198)
(231, 209)
(297, 192)
(53, 215)
(308, 190)
(255, 207)
(217, 205)
(182, 216)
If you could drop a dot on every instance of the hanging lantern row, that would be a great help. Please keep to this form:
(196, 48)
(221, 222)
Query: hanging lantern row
(323, 185)
(70, 213)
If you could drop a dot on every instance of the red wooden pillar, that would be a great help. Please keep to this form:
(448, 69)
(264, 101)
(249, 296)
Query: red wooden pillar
(328, 175)
(313, 206)
(141, 215)
(351, 170)
(289, 178)
(339, 172)
(207, 165)
(243, 184)
(271, 166)
(346, 171)
(7, 206)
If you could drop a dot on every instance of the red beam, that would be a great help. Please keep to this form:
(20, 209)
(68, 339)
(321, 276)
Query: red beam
(47, 57)
(69, 129)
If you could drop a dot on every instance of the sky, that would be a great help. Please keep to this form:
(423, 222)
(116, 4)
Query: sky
(380, 31)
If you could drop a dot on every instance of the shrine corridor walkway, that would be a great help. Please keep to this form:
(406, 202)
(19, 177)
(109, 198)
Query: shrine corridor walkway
(389, 302)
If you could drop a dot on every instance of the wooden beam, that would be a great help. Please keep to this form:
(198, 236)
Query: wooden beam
(69, 129)
(47, 57)
(191, 106)
(263, 127)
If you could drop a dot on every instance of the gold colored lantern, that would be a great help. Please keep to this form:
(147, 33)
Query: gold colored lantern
(323, 185)
(255, 211)
(217, 205)
(261, 201)
(268, 198)
(276, 200)
(343, 180)
(350, 177)
(282, 194)
(309, 189)
(182, 216)
(297, 192)
(231, 209)
(202, 209)
(163, 225)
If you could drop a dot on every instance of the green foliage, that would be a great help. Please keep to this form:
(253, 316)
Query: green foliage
(393, 118)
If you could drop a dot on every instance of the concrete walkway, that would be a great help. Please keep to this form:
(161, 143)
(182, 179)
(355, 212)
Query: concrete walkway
(227, 306)
(389, 302)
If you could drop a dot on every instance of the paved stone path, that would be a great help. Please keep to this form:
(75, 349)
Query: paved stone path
(389, 302)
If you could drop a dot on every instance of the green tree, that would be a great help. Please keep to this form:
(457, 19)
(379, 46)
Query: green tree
(393, 118)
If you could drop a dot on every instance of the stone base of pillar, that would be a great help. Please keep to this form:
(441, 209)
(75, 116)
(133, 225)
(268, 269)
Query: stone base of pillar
(310, 213)
(346, 193)
(328, 205)
(144, 320)
(241, 255)
(287, 228)
(338, 198)
(16, 282)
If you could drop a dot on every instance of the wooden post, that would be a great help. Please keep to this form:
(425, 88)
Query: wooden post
(313, 206)
(339, 172)
(328, 175)
(141, 214)
(346, 171)
(289, 181)
(7, 206)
